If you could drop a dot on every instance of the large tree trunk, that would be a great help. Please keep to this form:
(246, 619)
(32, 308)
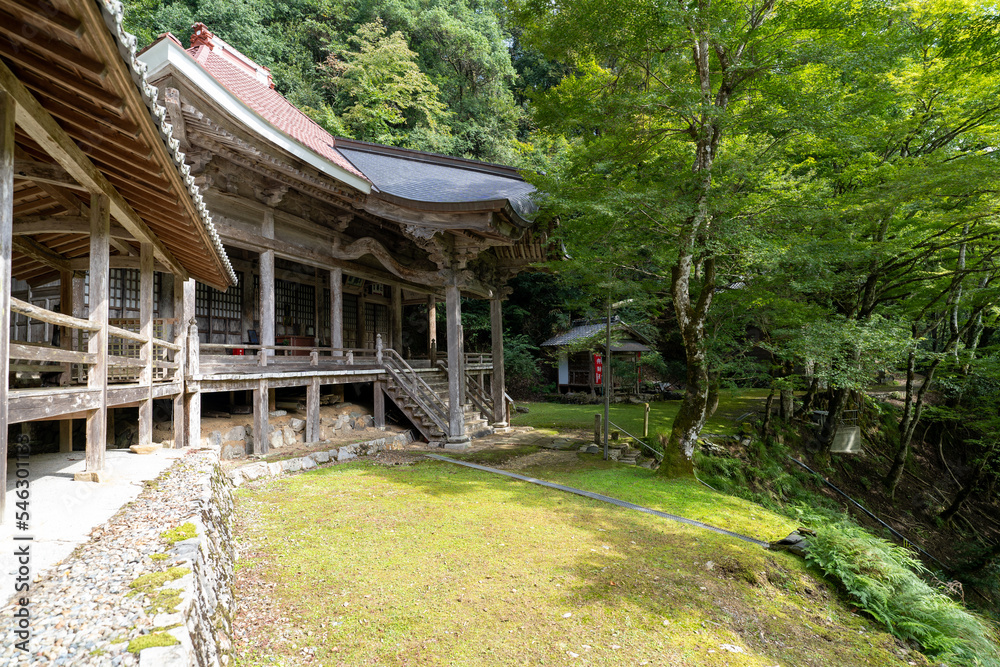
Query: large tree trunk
(838, 401)
(908, 424)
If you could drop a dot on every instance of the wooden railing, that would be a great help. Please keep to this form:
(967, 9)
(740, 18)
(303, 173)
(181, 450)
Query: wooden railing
(414, 386)
(125, 346)
(478, 359)
(235, 358)
(478, 395)
(43, 358)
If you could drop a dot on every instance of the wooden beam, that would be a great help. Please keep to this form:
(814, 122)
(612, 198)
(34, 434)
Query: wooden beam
(42, 72)
(7, 115)
(172, 100)
(97, 378)
(43, 14)
(56, 51)
(36, 251)
(44, 130)
(118, 262)
(42, 172)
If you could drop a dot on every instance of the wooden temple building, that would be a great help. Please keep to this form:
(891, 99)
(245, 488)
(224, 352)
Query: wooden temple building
(195, 234)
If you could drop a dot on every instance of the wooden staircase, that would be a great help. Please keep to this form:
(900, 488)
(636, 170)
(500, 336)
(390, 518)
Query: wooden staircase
(423, 397)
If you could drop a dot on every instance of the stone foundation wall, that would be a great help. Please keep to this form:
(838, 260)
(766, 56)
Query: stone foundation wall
(262, 469)
(235, 441)
(204, 617)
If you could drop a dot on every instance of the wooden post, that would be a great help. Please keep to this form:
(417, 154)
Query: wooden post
(79, 310)
(312, 410)
(432, 327)
(597, 429)
(267, 287)
(645, 420)
(181, 316)
(456, 369)
(7, 112)
(192, 399)
(497, 376)
(97, 378)
(337, 310)
(65, 436)
(397, 318)
(146, 352)
(379, 388)
(261, 430)
(66, 333)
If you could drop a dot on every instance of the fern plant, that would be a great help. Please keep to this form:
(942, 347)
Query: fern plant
(886, 581)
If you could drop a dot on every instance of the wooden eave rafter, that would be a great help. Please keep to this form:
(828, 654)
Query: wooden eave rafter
(78, 105)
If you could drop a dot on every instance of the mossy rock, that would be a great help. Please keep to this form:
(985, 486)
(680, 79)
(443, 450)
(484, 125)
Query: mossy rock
(185, 531)
(151, 640)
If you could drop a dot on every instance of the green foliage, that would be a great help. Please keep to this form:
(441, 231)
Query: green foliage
(520, 362)
(384, 94)
(885, 581)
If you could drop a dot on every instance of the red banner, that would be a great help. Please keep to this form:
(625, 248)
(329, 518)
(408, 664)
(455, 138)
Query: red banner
(598, 369)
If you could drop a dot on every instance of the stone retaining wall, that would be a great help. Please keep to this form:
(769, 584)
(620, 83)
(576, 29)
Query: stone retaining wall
(203, 619)
(262, 469)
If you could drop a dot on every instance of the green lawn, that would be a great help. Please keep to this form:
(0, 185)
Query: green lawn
(733, 403)
(434, 564)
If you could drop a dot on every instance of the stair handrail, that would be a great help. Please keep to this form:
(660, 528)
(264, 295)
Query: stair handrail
(416, 388)
(478, 394)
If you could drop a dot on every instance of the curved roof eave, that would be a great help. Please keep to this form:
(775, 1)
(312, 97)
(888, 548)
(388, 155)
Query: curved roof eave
(166, 53)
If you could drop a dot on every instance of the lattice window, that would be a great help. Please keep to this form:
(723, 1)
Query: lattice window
(219, 314)
(376, 322)
(325, 332)
(350, 321)
(296, 305)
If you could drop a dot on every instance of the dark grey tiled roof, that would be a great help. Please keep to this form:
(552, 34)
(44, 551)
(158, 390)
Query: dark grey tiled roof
(575, 334)
(585, 331)
(422, 177)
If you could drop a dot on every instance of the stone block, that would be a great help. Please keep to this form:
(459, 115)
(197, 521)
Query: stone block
(213, 439)
(254, 470)
(164, 656)
(291, 465)
(345, 454)
(307, 463)
(289, 435)
(277, 438)
(320, 457)
(233, 449)
(274, 469)
(276, 413)
(297, 425)
(92, 476)
(235, 433)
(146, 449)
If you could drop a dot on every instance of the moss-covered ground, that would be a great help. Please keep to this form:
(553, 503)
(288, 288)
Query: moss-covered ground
(435, 564)
(733, 404)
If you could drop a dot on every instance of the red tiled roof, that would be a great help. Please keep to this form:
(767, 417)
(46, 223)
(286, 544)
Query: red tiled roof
(271, 105)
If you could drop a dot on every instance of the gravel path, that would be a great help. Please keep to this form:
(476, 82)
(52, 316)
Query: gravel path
(81, 613)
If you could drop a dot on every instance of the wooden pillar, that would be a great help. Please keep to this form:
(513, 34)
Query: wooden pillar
(497, 376)
(432, 327)
(146, 352)
(456, 362)
(261, 429)
(312, 410)
(181, 315)
(192, 398)
(337, 310)
(66, 333)
(379, 389)
(267, 285)
(66, 342)
(6, 241)
(397, 318)
(97, 424)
